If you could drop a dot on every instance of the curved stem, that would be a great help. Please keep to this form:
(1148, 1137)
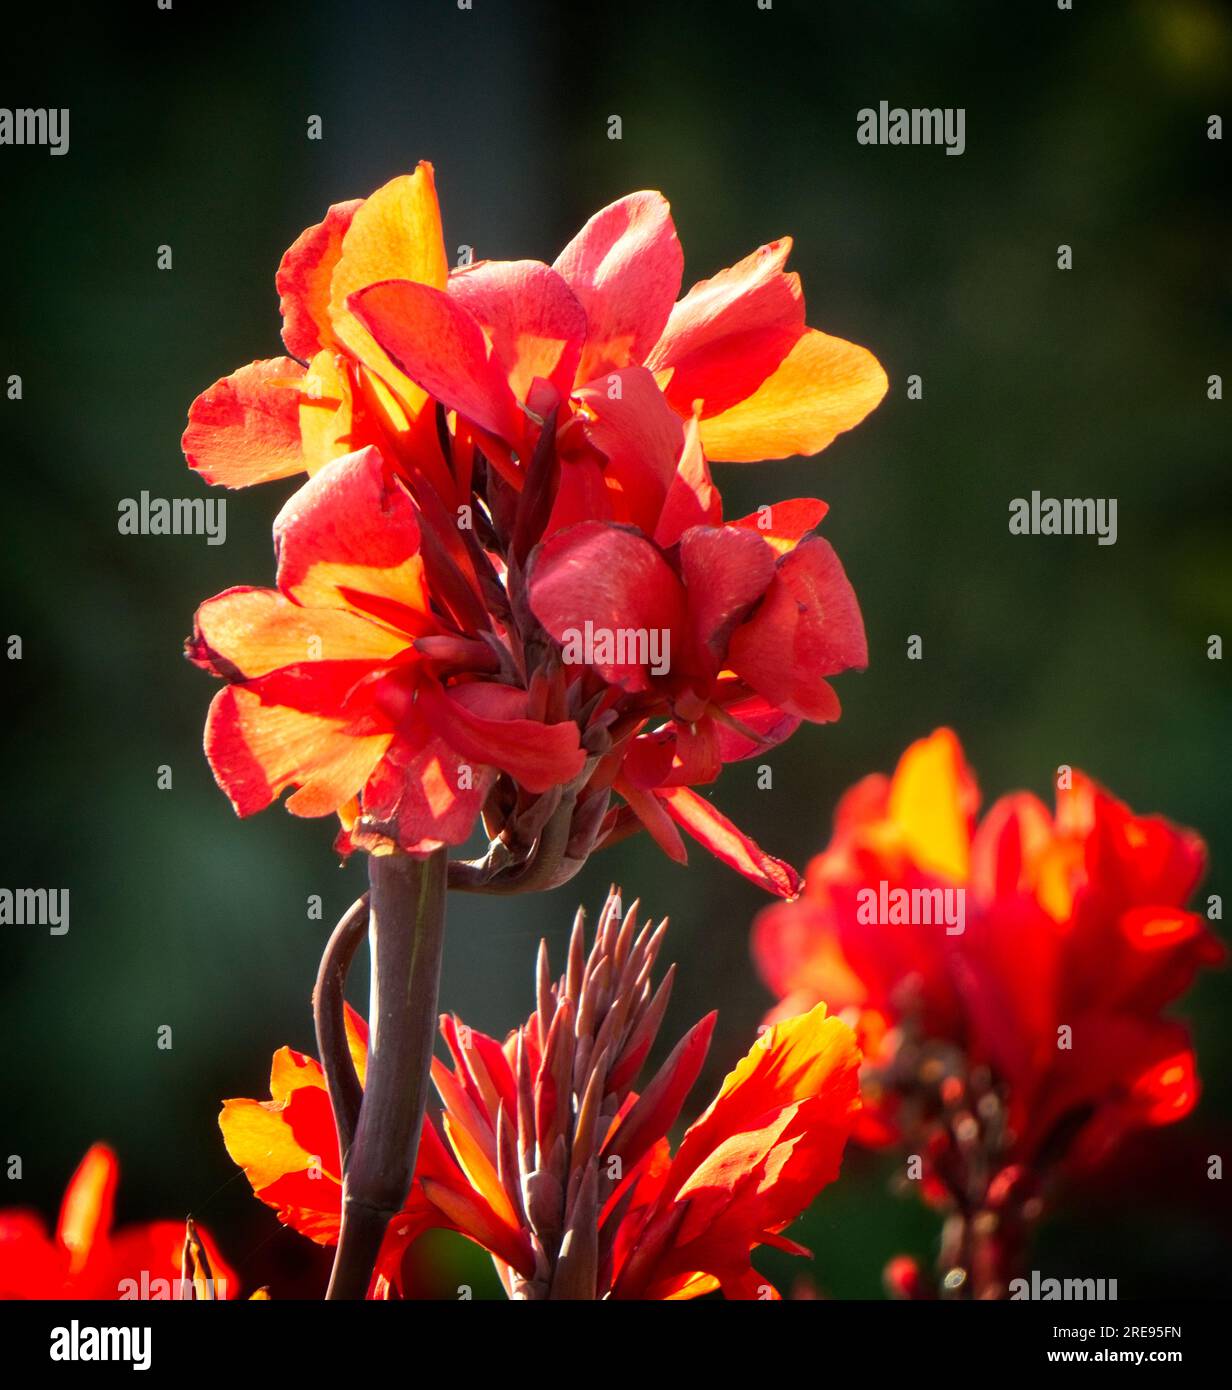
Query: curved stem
(548, 865)
(329, 1015)
(406, 931)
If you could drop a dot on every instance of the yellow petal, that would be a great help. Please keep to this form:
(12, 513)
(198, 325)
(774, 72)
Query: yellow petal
(932, 799)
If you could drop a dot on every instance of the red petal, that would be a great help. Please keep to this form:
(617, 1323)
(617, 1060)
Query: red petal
(728, 334)
(258, 750)
(648, 809)
(641, 437)
(419, 796)
(759, 715)
(728, 843)
(692, 498)
(485, 723)
(435, 341)
(676, 755)
(533, 320)
(725, 572)
(349, 538)
(612, 578)
(303, 281)
(656, 1109)
(782, 524)
(808, 626)
(624, 266)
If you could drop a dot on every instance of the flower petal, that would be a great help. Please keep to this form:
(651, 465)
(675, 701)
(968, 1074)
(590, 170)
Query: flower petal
(640, 436)
(725, 571)
(782, 524)
(256, 751)
(624, 266)
(615, 580)
(349, 538)
(424, 794)
(250, 632)
(245, 428)
(728, 334)
(822, 387)
(727, 842)
(807, 627)
(89, 1202)
(303, 281)
(434, 340)
(394, 235)
(692, 498)
(531, 317)
(933, 801)
(486, 723)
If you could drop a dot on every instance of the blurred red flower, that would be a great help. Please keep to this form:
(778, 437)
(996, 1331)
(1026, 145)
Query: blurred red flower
(85, 1258)
(1076, 937)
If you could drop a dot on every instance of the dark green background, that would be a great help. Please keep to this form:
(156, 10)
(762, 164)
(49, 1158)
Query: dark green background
(188, 128)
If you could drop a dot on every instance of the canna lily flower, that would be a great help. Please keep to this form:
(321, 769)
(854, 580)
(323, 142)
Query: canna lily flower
(542, 436)
(288, 1149)
(1073, 922)
(378, 327)
(337, 392)
(757, 614)
(600, 335)
(1031, 1040)
(345, 680)
(551, 1160)
(86, 1258)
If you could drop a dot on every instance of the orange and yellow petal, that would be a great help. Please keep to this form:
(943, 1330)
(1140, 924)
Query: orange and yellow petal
(245, 428)
(257, 750)
(823, 387)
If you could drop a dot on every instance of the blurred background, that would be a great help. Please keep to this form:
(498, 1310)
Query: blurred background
(188, 129)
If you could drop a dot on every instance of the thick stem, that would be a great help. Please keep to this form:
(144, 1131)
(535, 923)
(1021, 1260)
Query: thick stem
(406, 931)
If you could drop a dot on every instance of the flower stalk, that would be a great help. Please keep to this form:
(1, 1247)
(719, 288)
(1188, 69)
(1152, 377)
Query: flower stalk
(329, 1016)
(405, 936)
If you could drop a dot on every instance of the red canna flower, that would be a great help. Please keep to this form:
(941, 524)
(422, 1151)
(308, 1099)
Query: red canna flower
(370, 304)
(85, 1258)
(288, 1149)
(1073, 921)
(757, 616)
(552, 1162)
(1030, 1039)
(338, 678)
(499, 454)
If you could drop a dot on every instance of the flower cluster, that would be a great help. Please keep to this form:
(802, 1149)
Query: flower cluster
(547, 1157)
(507, 586)
(1027, 1042)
